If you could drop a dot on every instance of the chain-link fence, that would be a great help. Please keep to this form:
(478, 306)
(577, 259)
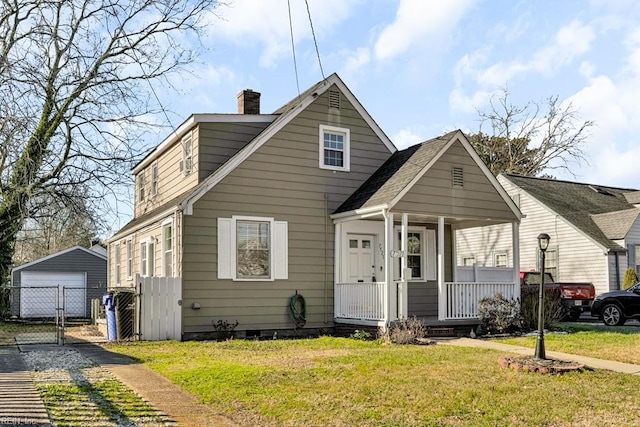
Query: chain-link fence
(48, 314)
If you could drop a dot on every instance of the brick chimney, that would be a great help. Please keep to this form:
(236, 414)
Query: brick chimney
(248, 102)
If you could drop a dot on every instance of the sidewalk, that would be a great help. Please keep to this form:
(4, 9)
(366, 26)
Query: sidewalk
(625, 368)
(179, 405)
(20, 402)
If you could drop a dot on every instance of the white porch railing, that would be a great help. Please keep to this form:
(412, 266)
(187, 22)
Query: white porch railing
(362, 301)
(484, 274)
(462, 298)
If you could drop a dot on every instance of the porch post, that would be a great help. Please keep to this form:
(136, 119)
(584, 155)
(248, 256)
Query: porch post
(337, 268)
(442, 295)
(403, 302)
(515, 237)
(391, 312)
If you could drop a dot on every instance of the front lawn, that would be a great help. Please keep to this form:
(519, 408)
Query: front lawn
(344, 382)
(620, 343)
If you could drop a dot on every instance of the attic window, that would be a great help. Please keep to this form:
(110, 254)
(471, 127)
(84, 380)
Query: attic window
(457, 176)
(186, 165)
(334, 99)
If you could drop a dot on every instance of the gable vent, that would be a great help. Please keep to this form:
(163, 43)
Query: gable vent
(457, 175)
(334, 99)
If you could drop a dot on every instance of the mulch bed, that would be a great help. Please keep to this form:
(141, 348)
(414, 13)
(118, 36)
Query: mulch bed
(543, 366)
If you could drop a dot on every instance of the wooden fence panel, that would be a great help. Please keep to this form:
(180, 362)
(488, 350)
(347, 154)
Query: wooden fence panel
(160, 308)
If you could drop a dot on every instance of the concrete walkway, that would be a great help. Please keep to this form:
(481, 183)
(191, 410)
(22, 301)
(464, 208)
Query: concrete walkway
(625, 368)
(20, 402)
(179, 405)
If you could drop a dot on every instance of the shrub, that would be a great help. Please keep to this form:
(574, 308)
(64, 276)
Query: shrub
(5, 302)
(360, 335)
(225, 330)
(630, 278)
(406, 331)
(499, 315)
(553, 308)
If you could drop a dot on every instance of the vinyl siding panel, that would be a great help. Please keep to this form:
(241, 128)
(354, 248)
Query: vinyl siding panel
(579, 258)
(423, 296)
(434, 193)
(281, 180)
(171, 181)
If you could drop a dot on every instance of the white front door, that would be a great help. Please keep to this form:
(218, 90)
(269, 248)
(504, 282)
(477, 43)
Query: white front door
(361, 258)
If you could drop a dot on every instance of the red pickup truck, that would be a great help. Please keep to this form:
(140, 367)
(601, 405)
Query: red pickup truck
(575, 297)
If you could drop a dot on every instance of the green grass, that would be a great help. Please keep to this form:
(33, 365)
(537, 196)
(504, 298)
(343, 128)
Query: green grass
(621, 344)
(103, 402)
(343, 382)
(8, 330)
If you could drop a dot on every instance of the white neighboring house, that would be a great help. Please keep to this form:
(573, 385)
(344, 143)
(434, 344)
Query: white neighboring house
(594, 229)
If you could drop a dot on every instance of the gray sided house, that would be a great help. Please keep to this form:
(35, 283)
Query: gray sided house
(594, 229)
(37, 286)
(251, 209)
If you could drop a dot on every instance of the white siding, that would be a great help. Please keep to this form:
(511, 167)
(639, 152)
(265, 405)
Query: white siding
(579, 258)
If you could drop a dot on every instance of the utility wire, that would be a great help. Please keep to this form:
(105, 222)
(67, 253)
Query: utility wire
(293, 48)
(313, 33)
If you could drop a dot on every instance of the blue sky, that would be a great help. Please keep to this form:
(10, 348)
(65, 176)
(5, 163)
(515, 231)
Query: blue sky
(424, 67)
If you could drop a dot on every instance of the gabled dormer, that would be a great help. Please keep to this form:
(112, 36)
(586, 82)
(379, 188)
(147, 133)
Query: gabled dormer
(196, 149)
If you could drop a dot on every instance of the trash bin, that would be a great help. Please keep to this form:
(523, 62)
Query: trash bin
(110, 313)
(124, 313)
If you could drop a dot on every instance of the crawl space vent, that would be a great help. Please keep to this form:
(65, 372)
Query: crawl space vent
(457, 174)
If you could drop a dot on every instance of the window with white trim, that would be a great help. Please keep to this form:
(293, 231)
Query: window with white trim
(334, 148)
(421, 253)
(141, 187)
(186, 166)
(154, 179)
(147, 257)
(167, 249)
(500, 259)
(117, 263)
(252, 249)
(129, 259)
(468, 261)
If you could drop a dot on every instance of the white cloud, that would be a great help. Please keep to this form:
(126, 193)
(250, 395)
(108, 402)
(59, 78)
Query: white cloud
(420, 23)
(406, 138)
(569, 43)
(266, 24)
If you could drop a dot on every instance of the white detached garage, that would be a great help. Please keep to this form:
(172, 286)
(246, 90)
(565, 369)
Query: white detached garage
(69, 278)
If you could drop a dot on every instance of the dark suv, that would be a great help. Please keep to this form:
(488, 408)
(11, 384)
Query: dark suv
(614, 308)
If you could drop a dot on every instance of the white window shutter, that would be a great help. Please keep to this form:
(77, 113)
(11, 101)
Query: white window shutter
(225, 249)
(432, 256)
(280, 250)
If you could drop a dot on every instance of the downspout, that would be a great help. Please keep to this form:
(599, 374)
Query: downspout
(326, 257)
(617, 269)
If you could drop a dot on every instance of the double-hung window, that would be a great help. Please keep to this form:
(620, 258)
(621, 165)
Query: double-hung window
(141, 187)
(252, 249)
(117, 262)
(147, 257)
(334, 148)
(167, 249)
(187, 154)
(154, 179)
(129, 258)
(421, 253)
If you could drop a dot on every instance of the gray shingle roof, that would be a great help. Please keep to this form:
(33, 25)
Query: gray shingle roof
(616, 225)
(395, 174)
(582, 205)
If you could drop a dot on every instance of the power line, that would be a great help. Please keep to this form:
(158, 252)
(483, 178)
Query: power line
(315, 42)
(293, 48)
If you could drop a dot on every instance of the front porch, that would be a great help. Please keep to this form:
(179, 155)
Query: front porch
(435, 289)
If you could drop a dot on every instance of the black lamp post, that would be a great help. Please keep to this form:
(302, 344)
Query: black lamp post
(543, 244)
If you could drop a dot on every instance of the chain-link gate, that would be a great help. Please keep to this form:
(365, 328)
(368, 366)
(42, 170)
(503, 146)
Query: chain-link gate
(48, 314)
